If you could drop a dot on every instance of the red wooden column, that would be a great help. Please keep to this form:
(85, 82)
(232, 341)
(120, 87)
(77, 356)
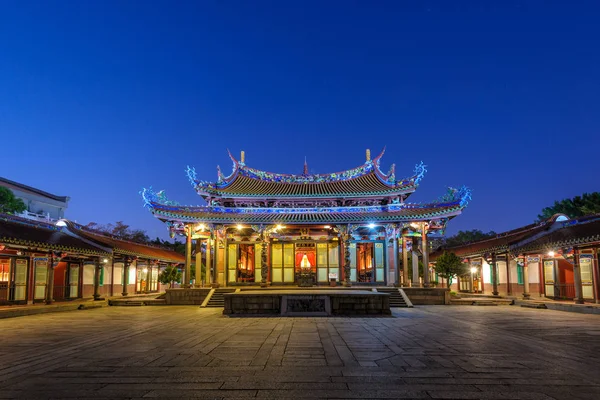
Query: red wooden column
(508, 288)
(596, 272)
(542, 278)
(188, 256)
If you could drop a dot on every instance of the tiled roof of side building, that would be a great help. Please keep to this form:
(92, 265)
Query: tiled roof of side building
(499, 243)
(43, 236)
(583, 231)
(364, 180)
(127, 247)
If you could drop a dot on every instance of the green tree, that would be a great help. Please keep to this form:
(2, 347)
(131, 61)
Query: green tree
(578, 206)
(169, 276)
(9, 203)
(467, 236)
(449, 265)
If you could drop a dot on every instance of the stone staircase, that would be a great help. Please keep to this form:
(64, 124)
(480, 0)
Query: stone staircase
(217, 300)
(396, 298)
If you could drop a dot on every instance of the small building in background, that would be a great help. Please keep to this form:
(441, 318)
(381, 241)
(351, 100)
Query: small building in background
(41, 205)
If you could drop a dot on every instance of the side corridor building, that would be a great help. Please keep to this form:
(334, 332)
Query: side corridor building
(44, 262)
(556, 258)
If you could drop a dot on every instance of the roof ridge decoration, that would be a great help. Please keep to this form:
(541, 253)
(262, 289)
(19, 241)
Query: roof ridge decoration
(369, 166)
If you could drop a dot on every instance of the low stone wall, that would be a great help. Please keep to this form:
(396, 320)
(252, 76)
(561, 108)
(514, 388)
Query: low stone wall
(187, 296)
(307, 303)
(361, 305)
(428, 296)
(248, 304)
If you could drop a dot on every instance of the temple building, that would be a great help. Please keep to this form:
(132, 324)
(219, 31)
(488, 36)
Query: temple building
(353, 227)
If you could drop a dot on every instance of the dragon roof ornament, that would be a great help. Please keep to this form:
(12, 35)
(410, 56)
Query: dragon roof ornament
(420, 170)
(151, 197)
(461, 195)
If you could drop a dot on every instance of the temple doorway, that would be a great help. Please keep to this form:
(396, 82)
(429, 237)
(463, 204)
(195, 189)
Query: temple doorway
(367, 262)
(244, 263)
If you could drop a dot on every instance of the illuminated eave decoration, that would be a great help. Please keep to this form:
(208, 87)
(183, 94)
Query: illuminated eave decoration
(453, 202)
(240, 169)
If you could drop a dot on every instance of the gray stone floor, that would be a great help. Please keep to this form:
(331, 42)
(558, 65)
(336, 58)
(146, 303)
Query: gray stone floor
(441, 352)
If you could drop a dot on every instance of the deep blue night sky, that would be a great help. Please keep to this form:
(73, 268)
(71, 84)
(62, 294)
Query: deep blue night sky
(99, 99)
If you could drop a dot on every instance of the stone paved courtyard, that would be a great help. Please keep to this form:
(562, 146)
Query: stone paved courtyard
(452, 352)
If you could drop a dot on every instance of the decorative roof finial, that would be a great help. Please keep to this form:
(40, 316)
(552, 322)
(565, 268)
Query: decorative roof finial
(368, 155)
(305, 172)
(243, 157)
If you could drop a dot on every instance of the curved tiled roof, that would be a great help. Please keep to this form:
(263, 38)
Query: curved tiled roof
(501, 243)
(580, 232)
(126, 247)
(365, 180)
(38, 235)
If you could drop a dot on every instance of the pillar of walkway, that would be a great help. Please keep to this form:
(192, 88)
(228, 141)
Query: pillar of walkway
(577, 278)
(596, 274)
(198, 263)
(188, 256)
(125, 276)
(494, 275)
(97, 266)
(526, 294)
(415, 265)
(208, 265)
(508, 288)
(396, 258)
(50, 282)
(404, 261)
(425, 249)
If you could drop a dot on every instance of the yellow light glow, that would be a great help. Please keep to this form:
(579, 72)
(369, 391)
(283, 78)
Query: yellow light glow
(105, 260)
(551, 253)
(240, 227)
(145, 270)
(473, 270)
(280, 226)
(327, 227)
(201, 227)
(415, 225)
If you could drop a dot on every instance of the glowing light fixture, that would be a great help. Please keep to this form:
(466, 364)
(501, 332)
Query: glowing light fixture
(240, 227)
(145, 270)
(201, 227)
(371, 226)
(280, 226)
(415, 225)
(105, 260)
(327, 227)
(61, 223)
(551, 253)
(473, 270)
